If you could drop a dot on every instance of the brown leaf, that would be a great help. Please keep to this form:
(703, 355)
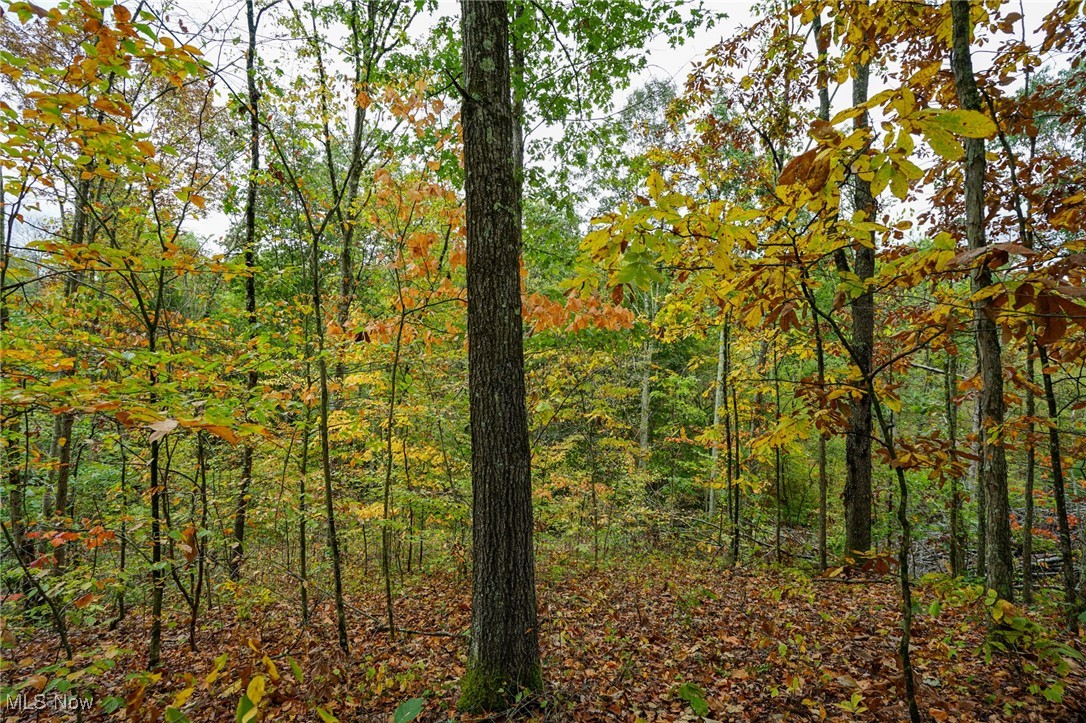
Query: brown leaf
(161, 429)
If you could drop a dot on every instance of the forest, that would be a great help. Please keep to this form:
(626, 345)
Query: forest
(393, 360)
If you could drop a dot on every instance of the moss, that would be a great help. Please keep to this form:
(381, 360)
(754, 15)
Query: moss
(483, 691)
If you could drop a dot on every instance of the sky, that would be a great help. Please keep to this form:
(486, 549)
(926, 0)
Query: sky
(224, 20)
(664, 62)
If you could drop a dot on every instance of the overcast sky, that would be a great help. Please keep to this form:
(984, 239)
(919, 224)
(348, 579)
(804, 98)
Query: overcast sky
(227, 22)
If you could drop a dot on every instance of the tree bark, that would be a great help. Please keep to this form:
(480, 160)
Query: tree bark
(957, 543)
(857, 498)
(736, 497)
(820, 352)
(1031, 473)
(977, 475)
(646, 405)
(718, 402)
(998, 564)
(238, 552)
(1058, 491)
(503, 656)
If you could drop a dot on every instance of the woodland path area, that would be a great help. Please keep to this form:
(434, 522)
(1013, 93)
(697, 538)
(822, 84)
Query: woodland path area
(648, 638)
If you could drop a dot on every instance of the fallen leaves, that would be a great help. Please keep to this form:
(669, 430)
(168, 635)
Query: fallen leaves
(649, 639)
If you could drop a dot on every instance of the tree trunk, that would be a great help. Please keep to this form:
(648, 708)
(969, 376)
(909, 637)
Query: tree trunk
(646, 402)
(737, 499)
(857, 498)
(820, 352)
(957, 543)
(1058, 491)
(158, 581)
(250, 281)
(503, 656)
(977, 475)
(15, 484)
(1031, 474)
(121, 563)
(778, 472)
(325, 452)
(999, 569)
(718, 402)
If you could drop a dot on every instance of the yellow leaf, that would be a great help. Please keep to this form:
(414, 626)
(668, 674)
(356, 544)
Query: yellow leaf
(656, 184)
(968, 123)
(273, 672)
(220, 663)
(255, 691)
(181, 697)
(197, 201)
(1003, 610)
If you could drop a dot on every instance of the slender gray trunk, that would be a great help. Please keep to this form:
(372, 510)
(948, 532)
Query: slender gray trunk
(242, 506)
(646, 400)
(718, 402)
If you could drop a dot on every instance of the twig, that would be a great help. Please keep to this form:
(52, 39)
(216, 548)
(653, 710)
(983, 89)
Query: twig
(58, 619)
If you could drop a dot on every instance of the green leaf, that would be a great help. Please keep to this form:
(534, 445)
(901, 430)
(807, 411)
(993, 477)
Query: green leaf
(173, 715)
(944, 144)
(1054, 692)
(247, 712)
(968, 123)
(637, 270)
(296, 669)
(408, 710)
(326, 716)
(112, 704)
(694, 695)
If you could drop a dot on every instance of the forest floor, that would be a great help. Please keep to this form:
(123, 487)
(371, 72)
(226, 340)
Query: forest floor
(647, 637)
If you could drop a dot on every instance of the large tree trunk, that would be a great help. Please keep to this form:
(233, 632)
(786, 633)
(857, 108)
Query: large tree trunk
(503, 657)
(998, 563)
(858, 442)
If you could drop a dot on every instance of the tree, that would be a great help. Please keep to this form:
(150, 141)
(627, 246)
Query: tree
(252, 18)
(858, 443)
(504, 653)
(998, 566)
